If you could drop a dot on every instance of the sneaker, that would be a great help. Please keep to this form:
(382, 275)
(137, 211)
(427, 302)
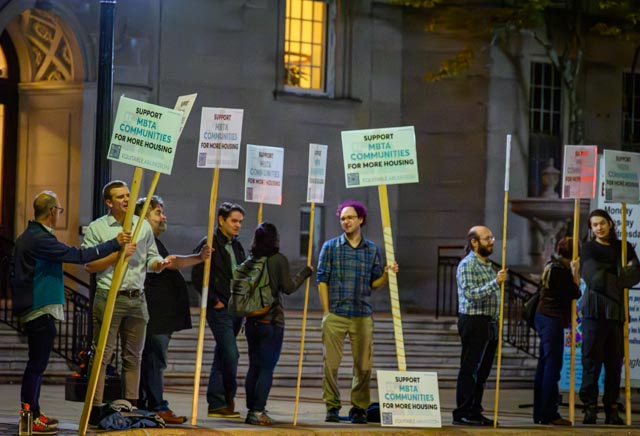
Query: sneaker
(223, 412)
(612, 417)
(357, 415)
(590, 415)
(332, 415)
(258, 418)
(40, 427)
(52, 422)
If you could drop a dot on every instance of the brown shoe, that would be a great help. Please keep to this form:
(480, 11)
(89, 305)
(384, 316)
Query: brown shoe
(560, 421)
(223, 412)
(170, 417)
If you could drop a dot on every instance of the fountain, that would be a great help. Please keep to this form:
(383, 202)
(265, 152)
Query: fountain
(549, 214)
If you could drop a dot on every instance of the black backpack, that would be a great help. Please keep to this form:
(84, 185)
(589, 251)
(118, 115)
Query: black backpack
(251, 293)
(531, 305)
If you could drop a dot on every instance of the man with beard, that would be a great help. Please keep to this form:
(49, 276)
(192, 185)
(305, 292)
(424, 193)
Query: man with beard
(168, 305)
(478, 307)
(350, 266)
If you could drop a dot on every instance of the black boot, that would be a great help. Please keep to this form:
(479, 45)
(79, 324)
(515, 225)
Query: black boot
(590, 414)
(612, 416)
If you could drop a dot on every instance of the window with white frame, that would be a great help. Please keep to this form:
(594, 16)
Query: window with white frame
(545, 99)
(631, 112)
(305, 45)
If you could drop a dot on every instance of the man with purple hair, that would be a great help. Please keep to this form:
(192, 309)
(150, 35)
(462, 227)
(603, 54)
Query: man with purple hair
(350, 266)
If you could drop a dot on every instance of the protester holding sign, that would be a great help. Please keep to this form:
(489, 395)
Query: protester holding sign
(265, 333)
(130, 314)
(560, 286)
(227, 254)
(478, 306)
(169, 312)
(603, 315)
(350, 266)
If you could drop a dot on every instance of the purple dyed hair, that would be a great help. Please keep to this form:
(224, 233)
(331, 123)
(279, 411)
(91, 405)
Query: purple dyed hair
(360, 209)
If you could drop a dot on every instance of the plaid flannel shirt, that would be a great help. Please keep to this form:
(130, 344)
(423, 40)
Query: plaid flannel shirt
(478, 290)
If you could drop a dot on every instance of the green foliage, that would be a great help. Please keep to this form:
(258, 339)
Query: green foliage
(452, 67)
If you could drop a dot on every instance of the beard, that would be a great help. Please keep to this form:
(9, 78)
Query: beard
(162, 227)
(485, 251)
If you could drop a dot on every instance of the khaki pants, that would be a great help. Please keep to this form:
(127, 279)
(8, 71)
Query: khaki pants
(360, 330)
(130, 317)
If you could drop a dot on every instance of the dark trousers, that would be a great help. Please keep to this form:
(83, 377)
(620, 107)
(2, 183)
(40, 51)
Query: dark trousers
(41, 332)
(154, 362)
(222, 381)
(265, 344)
(602, 343)
(545, 389)
(479, 335)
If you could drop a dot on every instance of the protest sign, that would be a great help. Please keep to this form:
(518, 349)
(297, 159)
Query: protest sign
(409, 399)
(220, 136)
(145, 135)
(380, 157)
(621, 177)
(579, 171)
(184, 104)
(263, 174)
(317, 171)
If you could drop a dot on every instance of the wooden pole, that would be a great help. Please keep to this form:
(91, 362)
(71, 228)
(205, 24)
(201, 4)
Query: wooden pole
(259, 213)
(574, 319)
(213, 198)
(393, 281)
(304, 312)
(505, 207)
(625, 330)
(116, 281)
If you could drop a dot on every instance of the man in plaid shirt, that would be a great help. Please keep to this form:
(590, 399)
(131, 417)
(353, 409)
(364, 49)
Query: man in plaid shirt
(478, 307)
(349, 268)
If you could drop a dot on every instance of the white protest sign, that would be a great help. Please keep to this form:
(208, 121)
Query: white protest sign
(145, 135)
(317, 173)
(621, 177)
(579, 171)
(409, 399)
(185, 104)
(380, 157)
(220, 136)
(263, 174)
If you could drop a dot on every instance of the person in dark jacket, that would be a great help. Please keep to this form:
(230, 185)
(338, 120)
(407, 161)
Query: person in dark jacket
(265, 333)
(168, 305)
(227, 254)
(603, 315)
(560, 286)
(38, 293)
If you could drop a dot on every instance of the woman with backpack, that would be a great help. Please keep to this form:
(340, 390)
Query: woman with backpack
(265, 332)
(560, 284)
(603, 315)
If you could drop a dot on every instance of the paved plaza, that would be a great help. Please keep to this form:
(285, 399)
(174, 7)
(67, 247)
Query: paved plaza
(514, 418)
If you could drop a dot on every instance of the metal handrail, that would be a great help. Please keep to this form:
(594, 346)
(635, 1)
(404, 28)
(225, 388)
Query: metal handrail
(74, 335)
(518, 289)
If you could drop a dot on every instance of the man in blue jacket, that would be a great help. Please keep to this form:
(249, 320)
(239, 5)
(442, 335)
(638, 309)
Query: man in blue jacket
(38, 293)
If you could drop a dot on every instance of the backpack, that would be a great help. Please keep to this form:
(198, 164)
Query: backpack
(531, 305)
(251, 293)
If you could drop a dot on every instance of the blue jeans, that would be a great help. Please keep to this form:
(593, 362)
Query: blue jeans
(265, 344)
(224, 370)
(545, 388)
(41, 332)
(154, 362)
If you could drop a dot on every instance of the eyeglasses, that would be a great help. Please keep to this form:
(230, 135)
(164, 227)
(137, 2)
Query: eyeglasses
(348, 218)
(61, 209)
(487, 239)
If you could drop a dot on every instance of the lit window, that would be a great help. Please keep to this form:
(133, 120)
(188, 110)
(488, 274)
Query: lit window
(305, 45)
(631, 112)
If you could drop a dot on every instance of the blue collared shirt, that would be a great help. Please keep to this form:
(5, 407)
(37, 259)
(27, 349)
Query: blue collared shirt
(105, 228)
(349, 273)
(478, 290)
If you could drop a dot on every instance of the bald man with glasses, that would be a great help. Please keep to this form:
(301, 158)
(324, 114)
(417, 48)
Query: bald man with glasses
(478, 308)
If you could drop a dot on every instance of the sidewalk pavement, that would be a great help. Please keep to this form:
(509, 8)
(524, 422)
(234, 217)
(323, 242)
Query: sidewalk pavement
(514, 417)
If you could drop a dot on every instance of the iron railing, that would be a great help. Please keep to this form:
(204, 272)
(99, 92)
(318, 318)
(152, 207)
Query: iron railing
(74, 333)
(518, 289)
